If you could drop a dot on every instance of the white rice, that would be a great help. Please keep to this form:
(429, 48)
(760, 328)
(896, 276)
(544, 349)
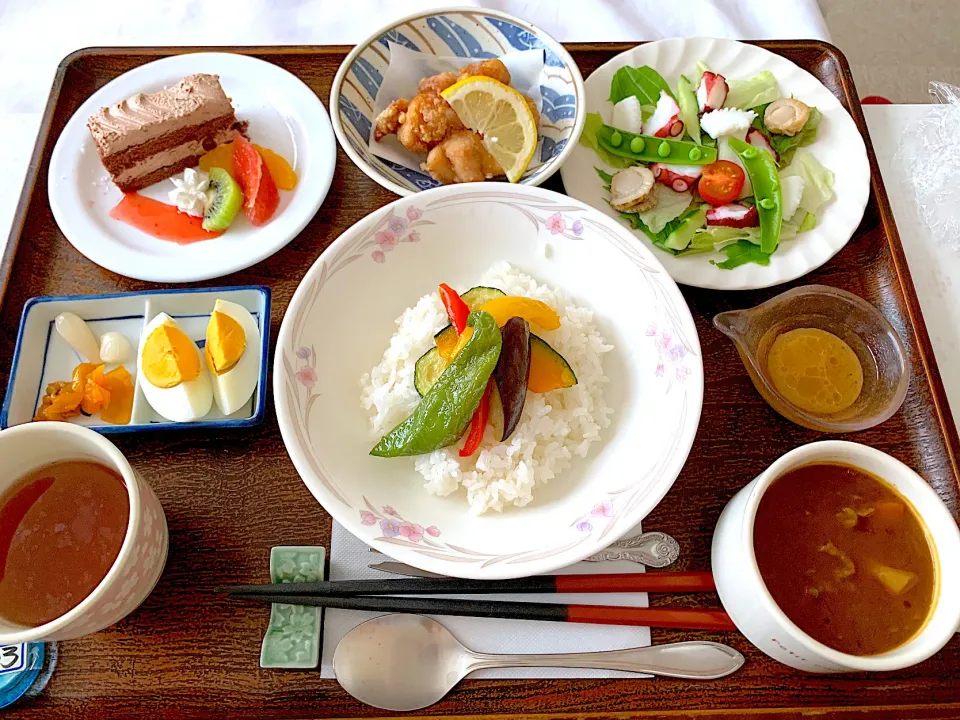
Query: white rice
(555, 427)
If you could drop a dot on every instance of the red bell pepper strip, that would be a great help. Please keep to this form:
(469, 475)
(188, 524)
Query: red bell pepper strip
(457, 309)
(478, 423)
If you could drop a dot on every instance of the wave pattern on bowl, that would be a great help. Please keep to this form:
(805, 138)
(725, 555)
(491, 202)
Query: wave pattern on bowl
(479, 34)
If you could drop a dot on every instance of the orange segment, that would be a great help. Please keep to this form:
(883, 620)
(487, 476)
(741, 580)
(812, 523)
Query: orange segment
(283, 175)
(222, 157)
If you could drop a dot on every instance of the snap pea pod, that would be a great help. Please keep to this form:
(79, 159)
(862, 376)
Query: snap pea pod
(762, 170)
(647, 148)
(444, 412)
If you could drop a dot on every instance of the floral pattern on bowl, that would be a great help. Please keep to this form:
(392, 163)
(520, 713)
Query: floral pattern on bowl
(392, 508)
(462, 33)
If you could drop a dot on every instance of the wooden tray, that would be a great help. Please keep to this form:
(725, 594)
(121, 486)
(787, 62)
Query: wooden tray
(230, 496)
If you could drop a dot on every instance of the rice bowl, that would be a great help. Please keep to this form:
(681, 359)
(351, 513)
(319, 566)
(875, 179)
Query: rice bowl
(554, 428)
(591, 484)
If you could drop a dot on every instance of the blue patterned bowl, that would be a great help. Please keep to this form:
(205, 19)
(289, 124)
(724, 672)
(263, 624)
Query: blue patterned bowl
(463, 33)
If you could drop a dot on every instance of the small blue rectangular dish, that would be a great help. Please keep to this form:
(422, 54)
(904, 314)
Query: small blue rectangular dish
(41, 356)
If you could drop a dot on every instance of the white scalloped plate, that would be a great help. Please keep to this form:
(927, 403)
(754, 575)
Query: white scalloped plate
(839, 147)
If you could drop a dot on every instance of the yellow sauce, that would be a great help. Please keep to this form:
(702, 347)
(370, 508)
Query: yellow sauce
(815, 370)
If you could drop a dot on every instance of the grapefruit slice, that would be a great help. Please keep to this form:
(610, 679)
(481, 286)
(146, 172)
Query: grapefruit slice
(260, 195)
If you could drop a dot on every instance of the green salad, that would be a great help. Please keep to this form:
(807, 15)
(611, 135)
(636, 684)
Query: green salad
(711, 164)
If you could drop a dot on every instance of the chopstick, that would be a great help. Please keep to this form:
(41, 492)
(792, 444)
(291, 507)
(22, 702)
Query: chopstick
(688, 619)
(600, 583)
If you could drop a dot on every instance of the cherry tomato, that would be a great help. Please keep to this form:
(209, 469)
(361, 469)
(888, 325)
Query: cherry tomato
(721, 182)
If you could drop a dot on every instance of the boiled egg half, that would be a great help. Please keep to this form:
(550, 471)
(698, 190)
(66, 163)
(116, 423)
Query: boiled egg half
(233, 355)
(172, 373)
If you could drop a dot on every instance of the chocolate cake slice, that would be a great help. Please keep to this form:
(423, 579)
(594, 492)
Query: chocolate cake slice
(150, 137)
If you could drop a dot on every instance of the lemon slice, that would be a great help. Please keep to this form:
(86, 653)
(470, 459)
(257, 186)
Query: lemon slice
(501, 115)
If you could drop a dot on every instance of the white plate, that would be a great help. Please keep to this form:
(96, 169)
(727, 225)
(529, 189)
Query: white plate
(342, 317)
(838, 146)
(285, 116)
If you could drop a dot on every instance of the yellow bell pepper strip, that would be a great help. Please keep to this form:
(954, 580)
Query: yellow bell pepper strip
(762, 170)
(502, 309)
(533, 311)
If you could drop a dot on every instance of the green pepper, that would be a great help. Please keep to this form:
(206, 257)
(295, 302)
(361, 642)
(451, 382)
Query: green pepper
(445, 411)
(650, 149)
(762, 170)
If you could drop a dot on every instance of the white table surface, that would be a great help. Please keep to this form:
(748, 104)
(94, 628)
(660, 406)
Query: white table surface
(935, 269)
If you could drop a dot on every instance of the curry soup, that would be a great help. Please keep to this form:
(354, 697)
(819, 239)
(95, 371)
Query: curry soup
(845, 557)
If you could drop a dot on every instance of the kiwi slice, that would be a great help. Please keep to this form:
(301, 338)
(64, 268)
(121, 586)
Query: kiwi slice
(225, 199)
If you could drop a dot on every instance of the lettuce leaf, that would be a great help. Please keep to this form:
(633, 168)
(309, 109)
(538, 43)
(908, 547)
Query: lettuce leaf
(605, 176)
(660, 238)
(670, 206)
(588, 137)
(818, 181)
(785, 145)
(741, 253)
(643, 82)
(759, 90)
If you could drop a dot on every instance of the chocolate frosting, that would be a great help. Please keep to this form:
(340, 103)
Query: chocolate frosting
(145, 116)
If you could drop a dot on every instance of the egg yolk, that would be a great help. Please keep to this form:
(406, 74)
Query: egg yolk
(169, 357)
(226, 342)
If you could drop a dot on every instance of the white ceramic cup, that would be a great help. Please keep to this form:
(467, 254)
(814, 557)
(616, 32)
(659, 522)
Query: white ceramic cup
(138, 566)
(748, 602)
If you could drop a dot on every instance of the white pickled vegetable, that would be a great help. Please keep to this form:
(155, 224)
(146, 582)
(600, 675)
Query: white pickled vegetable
(75, 331)
(115, 348)
(792, 189)
(627, 115)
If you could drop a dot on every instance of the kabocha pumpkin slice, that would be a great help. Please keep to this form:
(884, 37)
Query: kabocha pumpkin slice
(548, 368)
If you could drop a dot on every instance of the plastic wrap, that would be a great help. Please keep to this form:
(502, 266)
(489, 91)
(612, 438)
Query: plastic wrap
(930, 153)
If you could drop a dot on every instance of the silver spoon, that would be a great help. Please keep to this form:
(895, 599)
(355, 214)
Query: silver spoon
(407, 662)
(653, 549)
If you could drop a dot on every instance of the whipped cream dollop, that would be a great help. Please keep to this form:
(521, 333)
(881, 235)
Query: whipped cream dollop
(190, 193)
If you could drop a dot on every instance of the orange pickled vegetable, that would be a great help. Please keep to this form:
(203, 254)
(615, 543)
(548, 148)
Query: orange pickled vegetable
(90, 391)
(60, 402)
(96, 396)
(80, 374)
(120, 385)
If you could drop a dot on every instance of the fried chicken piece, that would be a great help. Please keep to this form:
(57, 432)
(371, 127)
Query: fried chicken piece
(462, 158)
(390, 119)
(437, 83)
(429, 119)
(531, 103)
(493, 68)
